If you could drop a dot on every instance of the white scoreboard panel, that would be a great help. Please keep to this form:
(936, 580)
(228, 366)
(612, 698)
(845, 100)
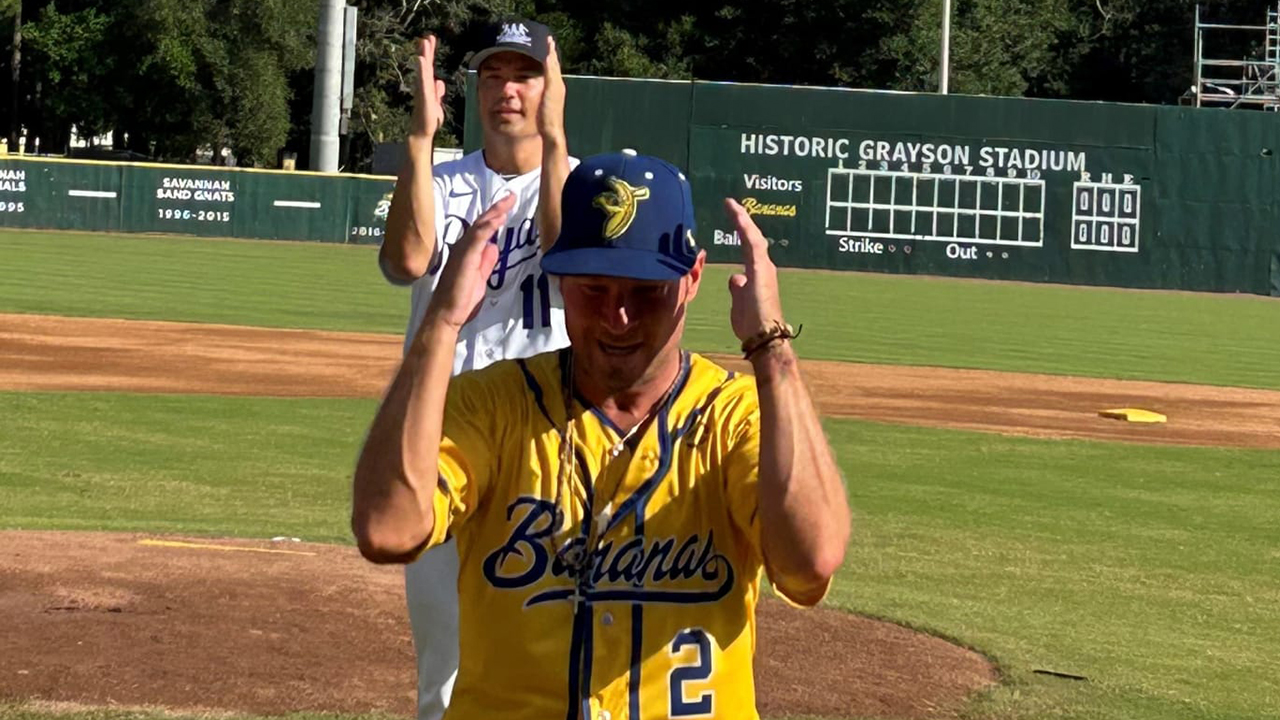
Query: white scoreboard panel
(944, 208)
(1105, 217)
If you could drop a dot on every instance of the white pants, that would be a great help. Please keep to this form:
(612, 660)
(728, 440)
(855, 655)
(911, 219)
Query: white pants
(431, 591)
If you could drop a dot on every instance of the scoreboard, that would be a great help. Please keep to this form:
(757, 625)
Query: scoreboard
(1105, 216)
(942, 208)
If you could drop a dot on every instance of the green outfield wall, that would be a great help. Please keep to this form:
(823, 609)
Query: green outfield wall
(1002, 188)
(192, 200)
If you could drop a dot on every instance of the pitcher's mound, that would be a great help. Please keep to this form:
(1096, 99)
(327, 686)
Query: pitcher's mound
(104, 619)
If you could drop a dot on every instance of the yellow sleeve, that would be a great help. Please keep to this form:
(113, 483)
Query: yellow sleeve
(741, 439)
(474, 428)
(742, 464)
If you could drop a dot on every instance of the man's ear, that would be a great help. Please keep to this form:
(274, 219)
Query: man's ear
(694, 277)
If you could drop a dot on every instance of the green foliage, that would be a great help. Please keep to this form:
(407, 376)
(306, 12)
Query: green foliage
(1142, 50)
(258, 107)
(617, 52)
(173, 74)
(384, 74)
(228, 65)
(71, 51)
(181, 74)
(999, 47)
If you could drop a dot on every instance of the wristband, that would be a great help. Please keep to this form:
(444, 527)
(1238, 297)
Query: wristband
(776, 330)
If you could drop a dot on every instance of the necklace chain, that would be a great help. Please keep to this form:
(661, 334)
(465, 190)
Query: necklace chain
(578, 561)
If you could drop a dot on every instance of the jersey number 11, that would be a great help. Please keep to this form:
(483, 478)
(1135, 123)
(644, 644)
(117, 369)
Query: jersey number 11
(536, 292)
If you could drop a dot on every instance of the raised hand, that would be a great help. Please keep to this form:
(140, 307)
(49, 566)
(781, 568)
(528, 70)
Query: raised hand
(471, 261)
(555, 151)
(551, 111)
(428, 93)
(756, 302)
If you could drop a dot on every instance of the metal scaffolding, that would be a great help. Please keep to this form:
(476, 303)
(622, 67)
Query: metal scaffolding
(1247, 83)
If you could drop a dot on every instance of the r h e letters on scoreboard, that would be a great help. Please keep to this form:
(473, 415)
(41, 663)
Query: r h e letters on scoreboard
(1106, 215)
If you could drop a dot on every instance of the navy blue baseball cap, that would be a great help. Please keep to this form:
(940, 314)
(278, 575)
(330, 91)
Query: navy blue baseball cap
(625, 215)
(516, 35)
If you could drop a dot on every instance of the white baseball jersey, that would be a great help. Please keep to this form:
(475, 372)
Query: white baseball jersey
(522, 313)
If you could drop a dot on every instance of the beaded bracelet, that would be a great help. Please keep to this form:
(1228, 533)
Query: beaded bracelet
(776, 330)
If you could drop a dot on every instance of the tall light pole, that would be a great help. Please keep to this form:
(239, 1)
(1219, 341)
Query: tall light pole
(15, 65)
(944, 71)
(326, 102)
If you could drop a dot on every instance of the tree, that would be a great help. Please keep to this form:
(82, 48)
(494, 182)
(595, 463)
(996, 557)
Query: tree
(171, 76)
(225, 68)
(763, 41)
(1142, 50)
(999, 47)
(67, 50)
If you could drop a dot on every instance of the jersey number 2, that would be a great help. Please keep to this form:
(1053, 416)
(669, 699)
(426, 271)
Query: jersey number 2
(536, 292)
(702, 705)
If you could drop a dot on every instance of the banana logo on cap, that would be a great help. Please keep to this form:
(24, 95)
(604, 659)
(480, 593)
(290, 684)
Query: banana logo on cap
(619, 204)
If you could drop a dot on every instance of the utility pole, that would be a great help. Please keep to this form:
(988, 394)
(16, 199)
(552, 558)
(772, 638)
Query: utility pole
(15, 64)
(944, 72)
(325, 104)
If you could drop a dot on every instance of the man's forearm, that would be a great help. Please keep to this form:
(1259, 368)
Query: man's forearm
(804, 515)
(396, 475)
(409, 245)
(555, 170)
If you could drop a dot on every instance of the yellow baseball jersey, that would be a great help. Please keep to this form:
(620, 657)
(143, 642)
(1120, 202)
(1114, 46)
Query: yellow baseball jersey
(625, 589)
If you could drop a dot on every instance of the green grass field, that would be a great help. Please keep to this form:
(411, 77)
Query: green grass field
(1094, 332)
(1149, 570)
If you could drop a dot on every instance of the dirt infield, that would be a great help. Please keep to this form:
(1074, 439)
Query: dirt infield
(105, 620)
(49, 353)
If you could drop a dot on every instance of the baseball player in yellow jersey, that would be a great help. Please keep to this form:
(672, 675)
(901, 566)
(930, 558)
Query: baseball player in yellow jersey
(614, 503)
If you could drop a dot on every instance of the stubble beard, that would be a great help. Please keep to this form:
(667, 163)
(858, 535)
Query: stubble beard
(621, 379)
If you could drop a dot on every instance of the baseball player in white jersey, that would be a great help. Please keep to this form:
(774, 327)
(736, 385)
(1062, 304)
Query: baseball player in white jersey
(520, 100)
